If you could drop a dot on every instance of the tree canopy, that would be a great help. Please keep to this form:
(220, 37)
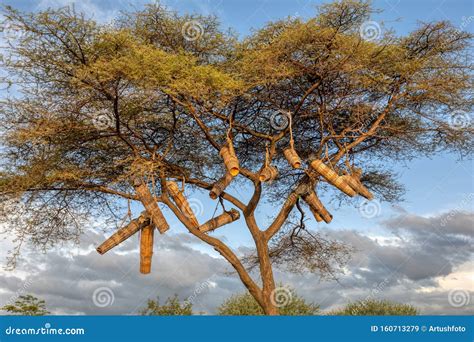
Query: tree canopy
(26, 305)
(104, 114)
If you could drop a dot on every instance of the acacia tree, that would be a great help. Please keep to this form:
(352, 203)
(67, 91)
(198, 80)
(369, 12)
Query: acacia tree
(101, 115)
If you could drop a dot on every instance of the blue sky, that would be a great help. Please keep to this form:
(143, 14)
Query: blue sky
(434, 186)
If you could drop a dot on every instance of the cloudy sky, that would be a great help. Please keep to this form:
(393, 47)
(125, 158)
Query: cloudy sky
(418, 252)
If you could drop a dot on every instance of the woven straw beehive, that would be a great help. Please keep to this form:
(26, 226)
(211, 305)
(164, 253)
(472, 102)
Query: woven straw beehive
(181, 202)
(124, 233)
(219, 186)
(146, 249)
(357, 186)
(230, 159)
(268, 173)
(150, 205)
(316, 206)
(332, 177)
(292, 157)
(219, 221)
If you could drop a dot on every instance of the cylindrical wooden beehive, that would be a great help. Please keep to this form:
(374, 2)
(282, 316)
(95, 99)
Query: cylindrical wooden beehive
(358, 187)
(230, 159)
(315, 204)
(181, 202)
(219, 221)
(332, 177)
(146, 248)
(292, 157)
(268, 173)
(219, 186)
(150, 205)
(316, 215)
(124, 233)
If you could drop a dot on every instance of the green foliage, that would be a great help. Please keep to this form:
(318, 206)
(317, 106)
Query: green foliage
(372, 307)
(245, 305)
(27, 305)
(172, 307)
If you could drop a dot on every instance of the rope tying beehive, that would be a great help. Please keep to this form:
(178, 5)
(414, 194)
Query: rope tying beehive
(219, 186)
(124, 233)
(150, 205)
(316, 206)
(219, 221)
(181, 202)
(332, 177)
(146, 249)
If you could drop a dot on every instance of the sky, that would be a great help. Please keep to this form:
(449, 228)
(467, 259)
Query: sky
(418, 251)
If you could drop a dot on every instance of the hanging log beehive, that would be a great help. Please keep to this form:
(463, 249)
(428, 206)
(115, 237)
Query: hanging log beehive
(219, 186)
(316, 215)
(219, 221)
(292, 157)
(146, 248)
(230, 159)
(357, 186)
(124, 233)
(332, 177)
(316, 206)
(150, 205)
(181, 202)
(268, 173)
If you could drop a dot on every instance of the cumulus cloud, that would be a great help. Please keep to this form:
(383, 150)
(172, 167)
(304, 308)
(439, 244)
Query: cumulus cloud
(419, 260)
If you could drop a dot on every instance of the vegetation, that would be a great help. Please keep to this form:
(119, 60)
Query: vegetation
(103, 115)
(27, 305)
(372, 307)
(245, 305)
(172, 307)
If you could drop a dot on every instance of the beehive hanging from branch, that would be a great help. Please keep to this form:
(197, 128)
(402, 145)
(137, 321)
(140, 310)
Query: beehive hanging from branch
(292, 157)
(149, 202)
(268, 173)
(181, 202)
(124, 233)
(317, 207)
(219, 186)
(146, 248)
(332, 177)
(230, 159)
(357, 186)
(219, 221)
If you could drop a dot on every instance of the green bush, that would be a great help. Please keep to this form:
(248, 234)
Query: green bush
(246, 305)
(172, 307)
(372, 307)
